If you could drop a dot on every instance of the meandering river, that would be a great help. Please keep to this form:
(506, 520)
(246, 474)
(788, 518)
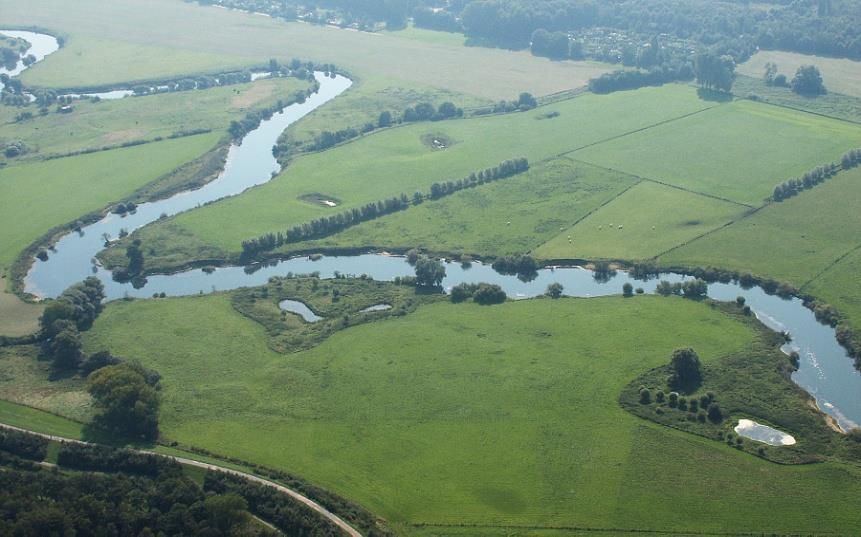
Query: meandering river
(826, 371)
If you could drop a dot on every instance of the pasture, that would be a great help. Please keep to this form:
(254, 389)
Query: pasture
(507, 217)
(111, 123)
(738, 151)
(639, 224)
(513, 422)
(143, 39)
(794, 240)
(840, 286)
(397, 160)
(35, 197)
(839, 75)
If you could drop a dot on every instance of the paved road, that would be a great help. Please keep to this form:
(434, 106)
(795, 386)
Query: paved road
(335, 519)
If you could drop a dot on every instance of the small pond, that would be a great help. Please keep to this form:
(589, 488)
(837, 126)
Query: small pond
(763, 433)
(300, 309)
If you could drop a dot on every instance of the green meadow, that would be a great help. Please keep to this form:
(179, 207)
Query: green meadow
(507, 217)
(398, 160)
(794, 240)
(640, 224)
(738, 151)
(512, 421)
(840, 75)
(111, 123)
(840, 286)
(37, 196)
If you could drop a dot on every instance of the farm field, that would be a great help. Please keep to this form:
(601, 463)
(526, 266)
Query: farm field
(507, 217)
(400, 160)
(834, 105)
(840, 75)
(509, 428)
(37, 196)
(639, 224)
(738, 151)
(127, 39)
(17, 318)
(793, 240)
(111, 123)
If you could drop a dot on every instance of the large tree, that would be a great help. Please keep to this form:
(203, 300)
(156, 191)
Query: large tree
(686, 369)
(126, 402)
(808, 81)
(429, 272)
(715, 72)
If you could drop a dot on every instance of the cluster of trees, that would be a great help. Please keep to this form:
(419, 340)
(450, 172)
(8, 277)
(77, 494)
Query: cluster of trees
(628, 79)
(715, 72)
(324, 226)
(429, 272)
(126, 399)
(285, 513)
(21, 444)
(808, 81)
(791, 187)
(99, 458)
(419, 112)
(694, 289)
(480, 293)
(436, 19)
(826, 27)
(63, 319)
(551, 44)
(15, 148)
(851, 159)
(772, 77)
(702, 408)
(520, 265)
(525, 101)
(40, 502)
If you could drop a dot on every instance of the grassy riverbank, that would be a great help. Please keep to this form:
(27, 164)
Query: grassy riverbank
(513, 388)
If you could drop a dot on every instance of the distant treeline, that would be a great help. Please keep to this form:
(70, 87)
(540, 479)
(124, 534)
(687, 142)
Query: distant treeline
(322, 227)
(792, 187)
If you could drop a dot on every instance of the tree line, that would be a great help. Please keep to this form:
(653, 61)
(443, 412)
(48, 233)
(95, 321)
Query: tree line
(792, 187)
(420, 112)
(328, 225)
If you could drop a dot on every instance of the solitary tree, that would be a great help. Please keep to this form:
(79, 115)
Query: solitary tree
(627, 290)
(554, 290)
(686, 369)
(126, 402)
(770, 73)
(808, 81)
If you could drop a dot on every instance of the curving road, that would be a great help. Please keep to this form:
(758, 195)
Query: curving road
(333, 518)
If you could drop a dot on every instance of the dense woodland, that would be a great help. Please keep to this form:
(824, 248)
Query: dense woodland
(735, 27)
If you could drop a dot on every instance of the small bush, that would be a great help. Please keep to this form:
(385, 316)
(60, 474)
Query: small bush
(645, 396)
(674, 399)
(660, 397)
(715, 414)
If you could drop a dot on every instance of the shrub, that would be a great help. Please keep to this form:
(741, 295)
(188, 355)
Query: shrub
(701, 416)
(627, 290)
(660, 397)
(645, 396)
(715, 414)
(487, 294)
(554, 290)
(673, 399)
(694, 405)
(683, 403)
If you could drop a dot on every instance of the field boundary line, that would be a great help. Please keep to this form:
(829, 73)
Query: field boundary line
(709, 232)
(677, 187)
(308, 502)
(830, 266)
(641, 129)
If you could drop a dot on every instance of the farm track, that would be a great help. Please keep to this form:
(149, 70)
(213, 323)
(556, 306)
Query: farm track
(322, 511)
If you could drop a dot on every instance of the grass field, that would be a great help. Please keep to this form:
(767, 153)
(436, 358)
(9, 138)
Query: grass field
(831, 104)
(110, 123)
(128, 39)
(364, 102)
(38, 420)
(17, 318)
(793, 240)
(738, 151)
(840, 286)
(512, 421)
(24, 379)
(507, 217)
(37, 196)
(839, 74)
(397, 160)
(641, 223)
